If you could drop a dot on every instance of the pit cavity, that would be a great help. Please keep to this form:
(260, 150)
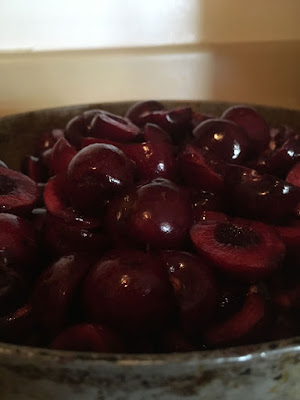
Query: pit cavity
(236, 235)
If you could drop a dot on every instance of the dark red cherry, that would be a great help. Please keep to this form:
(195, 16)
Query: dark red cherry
(75, 130)
(281, 134)
(290, 235)
(225, 139)
(154, 134)
(199, 117)
(61, 155)
(246, 249)
(142, 108)
(57, 205)
(34, 168)
(259, 196)
(18, 193)
(162, 215)
(18, 244)
(13, 290)
(176, 122)
(210, 216)
(198, 170)
(55, 290)
(130, 292)
(63, 238)
(95, 174)
(88, 337)
(194, 286)
(152, 160)
(242, 327)
(280, 161)
(47, 140)
(117, 217)
(231, 294)
(253, 124)
(17, 326)
(204, 201)
(86, 141)
(113, 127)
(294, 175)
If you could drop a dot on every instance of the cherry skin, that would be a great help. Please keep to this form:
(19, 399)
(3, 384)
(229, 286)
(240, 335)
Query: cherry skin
(96, 173)
(55, 290)
(257, 196)
(161, 216)
(142, 108)
(224, 138)
(253, 124)
(129, 291)
(194, 286)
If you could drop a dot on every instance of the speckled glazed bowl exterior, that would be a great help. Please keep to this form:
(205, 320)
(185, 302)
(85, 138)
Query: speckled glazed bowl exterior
(269, 371)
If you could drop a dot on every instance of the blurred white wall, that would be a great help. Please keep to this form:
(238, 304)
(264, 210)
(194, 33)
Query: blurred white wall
(68, 52)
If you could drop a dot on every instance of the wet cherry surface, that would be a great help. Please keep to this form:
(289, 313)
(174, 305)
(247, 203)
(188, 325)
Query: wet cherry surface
(130, 292)
(160, 230)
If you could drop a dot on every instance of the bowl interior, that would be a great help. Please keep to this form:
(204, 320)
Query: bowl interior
(18, 134)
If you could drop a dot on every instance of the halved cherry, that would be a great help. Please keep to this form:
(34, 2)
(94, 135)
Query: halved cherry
(63, 238)
(86, 141)
(55, 290)
(253, 124)
(194, 287)
(154, 134)
(153, 160)
(210, 216)
(225, 139)
(282, 159)
(17, 326)
(290, 235)
(176, 122)
(61, 155)
(48, 139)
(198, 169)
(258, 196)
(113, 127)
(18, 242)
(75, 130)
(142, 108)
(246, 249)
(88, 337)
(18, 193)
(14, 289)
(95, 174)
(34, 168)
(57, 204)
(243, 326)
(129, 291)
(294, 175)
(199, 117)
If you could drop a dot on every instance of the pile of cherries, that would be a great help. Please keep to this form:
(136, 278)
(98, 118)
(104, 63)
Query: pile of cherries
(161, 231)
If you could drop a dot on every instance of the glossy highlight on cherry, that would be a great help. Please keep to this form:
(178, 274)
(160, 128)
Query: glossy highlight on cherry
(158, 230)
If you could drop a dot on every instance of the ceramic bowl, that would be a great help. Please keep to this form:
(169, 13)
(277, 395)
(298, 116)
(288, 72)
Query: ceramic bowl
(268, 371)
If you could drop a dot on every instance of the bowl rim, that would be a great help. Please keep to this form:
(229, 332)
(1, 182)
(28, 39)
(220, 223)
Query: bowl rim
(272, 349)
(229, 355)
